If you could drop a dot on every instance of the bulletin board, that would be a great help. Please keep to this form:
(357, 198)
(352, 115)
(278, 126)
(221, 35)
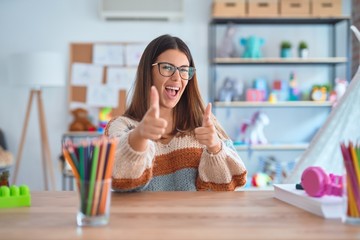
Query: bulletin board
(83, 53)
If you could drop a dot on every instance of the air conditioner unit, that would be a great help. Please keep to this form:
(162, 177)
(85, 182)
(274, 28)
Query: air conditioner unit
(141, 9)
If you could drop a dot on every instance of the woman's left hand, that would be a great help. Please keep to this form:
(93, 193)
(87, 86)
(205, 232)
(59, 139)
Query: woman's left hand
(206, 134)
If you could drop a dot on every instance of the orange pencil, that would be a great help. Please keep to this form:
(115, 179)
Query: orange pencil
(107, 175)
(99, 176)
(71, 163)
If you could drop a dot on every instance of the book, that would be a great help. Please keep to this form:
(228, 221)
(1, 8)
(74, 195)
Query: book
(331, 207)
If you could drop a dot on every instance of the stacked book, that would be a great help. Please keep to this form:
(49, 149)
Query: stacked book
(326, 206)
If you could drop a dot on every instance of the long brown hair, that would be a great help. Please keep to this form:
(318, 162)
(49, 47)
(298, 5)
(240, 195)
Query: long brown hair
(188, 113)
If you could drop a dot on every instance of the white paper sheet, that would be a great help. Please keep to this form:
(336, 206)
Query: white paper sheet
(121, 78)
(102, 95)
(84, 74)
(133, 54)
(108, 54)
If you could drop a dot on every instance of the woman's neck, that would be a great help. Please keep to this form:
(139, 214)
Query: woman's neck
(167, 114)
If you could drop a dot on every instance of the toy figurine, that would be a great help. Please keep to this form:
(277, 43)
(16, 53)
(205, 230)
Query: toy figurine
(231, 90)
(294, 92)
(104, 118)
(227, 47)
(252, 46)
(260, 180)
(339, 90)
(253, 132)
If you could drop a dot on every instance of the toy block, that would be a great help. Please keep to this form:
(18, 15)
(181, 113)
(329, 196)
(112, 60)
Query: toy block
(254, 95)
(15, 196)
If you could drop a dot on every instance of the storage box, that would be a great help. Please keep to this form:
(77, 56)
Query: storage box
(295, 8)
(229, 8)
(326, 8)
(263, 8)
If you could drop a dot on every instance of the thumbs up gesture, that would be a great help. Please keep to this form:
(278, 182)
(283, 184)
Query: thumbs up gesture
(206, 134)
(152, 126)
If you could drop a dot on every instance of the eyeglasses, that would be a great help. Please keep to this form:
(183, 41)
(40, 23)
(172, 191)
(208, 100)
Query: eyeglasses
(168, 69)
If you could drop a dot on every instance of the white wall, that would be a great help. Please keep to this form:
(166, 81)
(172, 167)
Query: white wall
(44, 25)
(51, 25)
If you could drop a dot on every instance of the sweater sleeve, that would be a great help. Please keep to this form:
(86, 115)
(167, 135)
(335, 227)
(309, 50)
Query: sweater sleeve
(224, 171)
(132, 169)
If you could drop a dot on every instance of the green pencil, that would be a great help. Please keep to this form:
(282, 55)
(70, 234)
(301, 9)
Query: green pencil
(91, 185)
(82, 177)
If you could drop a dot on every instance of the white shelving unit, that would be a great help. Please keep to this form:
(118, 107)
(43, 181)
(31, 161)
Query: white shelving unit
(330, 60)
(274, 147)
(284, 113)
(284, 104)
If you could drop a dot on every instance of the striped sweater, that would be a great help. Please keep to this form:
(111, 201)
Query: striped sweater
(181, 165)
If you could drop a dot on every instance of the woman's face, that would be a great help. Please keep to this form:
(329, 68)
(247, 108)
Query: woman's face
(170, 88)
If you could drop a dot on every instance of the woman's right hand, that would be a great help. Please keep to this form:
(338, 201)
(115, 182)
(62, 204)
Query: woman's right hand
(152, 126)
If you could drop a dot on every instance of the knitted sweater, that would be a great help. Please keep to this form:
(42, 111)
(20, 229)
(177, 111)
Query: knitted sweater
(181, 165)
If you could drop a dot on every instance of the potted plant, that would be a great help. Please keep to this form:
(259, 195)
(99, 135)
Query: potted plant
(285, 49)
(303, 49)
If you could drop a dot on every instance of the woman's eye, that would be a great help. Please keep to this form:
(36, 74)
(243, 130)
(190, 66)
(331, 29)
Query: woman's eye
(168, 67)
(184, 70)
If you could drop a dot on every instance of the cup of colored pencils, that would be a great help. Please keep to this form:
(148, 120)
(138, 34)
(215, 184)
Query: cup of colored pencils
(91, 162)
(351, 157)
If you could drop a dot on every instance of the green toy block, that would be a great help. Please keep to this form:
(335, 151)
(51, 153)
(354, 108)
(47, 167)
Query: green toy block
(15, 196)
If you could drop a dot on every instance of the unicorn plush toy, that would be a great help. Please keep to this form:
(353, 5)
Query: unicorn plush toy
(252, 132)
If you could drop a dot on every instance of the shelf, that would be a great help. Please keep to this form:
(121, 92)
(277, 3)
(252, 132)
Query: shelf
(82, 134)
(273, 105)
(280, 20)
(273, 147)
(330, 60)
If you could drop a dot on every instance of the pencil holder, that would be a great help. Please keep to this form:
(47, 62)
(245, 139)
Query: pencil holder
(351, 196)
(94, 202)
(351, 203)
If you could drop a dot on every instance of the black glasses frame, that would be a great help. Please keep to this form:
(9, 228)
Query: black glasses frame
(178, 68)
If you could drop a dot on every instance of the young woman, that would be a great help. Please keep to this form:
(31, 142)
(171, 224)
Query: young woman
(168, 140)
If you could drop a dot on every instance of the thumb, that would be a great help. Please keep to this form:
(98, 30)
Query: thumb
(206, 119)
(154, 102)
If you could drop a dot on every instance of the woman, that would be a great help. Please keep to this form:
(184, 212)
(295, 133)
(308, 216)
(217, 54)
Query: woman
(171, 142)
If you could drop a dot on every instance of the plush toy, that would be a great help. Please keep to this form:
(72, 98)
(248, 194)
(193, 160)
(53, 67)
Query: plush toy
(81, 121)
(252, 46)
(227, 47)
(231, 90)
(339, 90)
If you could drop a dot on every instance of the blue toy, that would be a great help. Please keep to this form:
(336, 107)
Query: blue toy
(252, 46)
(294, 92)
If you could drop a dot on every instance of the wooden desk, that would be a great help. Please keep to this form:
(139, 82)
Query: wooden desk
(173, 215)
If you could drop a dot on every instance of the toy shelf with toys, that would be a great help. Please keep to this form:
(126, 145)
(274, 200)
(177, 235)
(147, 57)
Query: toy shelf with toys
(276, 104)
(295, 60)
(273, 103)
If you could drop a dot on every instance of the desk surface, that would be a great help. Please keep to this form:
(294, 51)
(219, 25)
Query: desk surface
(172, 215)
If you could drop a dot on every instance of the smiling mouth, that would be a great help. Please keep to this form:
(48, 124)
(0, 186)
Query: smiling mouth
(172, 91)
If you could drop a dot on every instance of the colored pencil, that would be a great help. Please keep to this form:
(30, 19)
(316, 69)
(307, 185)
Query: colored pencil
(91, 163)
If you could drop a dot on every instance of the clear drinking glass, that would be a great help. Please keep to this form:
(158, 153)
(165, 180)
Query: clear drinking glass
(351, 213)
(94, 202)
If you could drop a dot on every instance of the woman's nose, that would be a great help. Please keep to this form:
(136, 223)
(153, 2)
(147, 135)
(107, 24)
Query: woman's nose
(176, 75)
